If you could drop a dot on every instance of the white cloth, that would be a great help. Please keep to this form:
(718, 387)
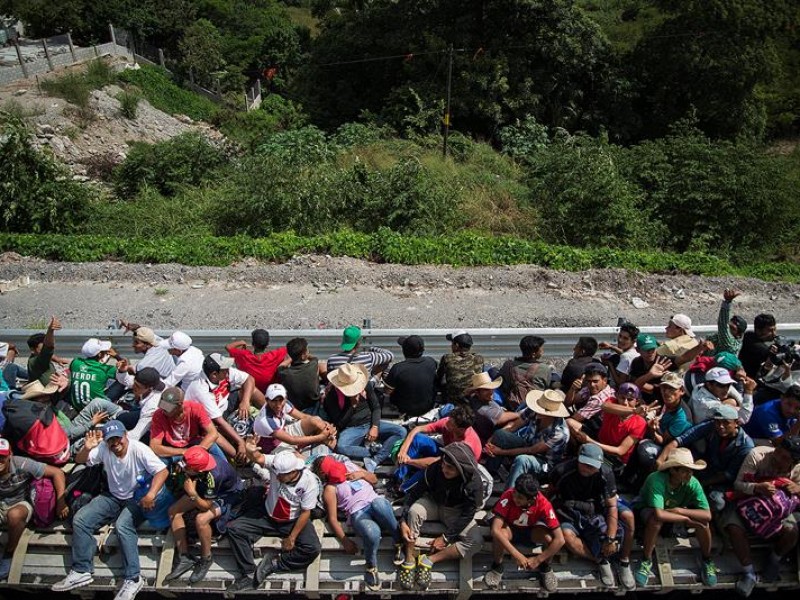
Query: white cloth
(157, 357)
(148, 406)
(704, 402)
(625, 360)
(209, 394)
(122, 472)
(285, 501)
(188, 368)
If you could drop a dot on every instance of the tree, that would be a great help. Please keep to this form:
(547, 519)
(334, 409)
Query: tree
(201, 47)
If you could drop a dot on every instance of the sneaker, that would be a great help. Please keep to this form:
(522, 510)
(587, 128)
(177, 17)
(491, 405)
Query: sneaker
(130, 588)
(370, 465)
(266, 567)
(708, 573)
(493, 577)
(71, 581)
(626, 576)
(5, 568)
(185, 564)
(407, 575)
(745, 585)
(399, 555)
(643, 572)
(243, 583)
(549, 580)
(424, 567)
(200, 571)
(606, 573)
(372, 579)
(771, 570)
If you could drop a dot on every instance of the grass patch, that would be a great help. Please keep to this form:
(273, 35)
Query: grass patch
(164, 94)
(461, 249)
(129, 103)
(76, 87)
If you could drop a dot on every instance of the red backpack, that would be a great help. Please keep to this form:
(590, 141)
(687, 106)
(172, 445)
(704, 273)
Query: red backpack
(43, 498)
(35, 431)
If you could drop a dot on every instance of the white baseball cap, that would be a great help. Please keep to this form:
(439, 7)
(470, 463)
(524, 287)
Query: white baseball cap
(684, 323)
(286, 462)
(92, 347)
(275, 390)
(719, 375)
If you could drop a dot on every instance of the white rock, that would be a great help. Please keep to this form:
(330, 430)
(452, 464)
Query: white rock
(639, 303)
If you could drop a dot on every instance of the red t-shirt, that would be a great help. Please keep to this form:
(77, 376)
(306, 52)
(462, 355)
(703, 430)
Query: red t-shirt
(539, 513)
(263, 367)
(470, 437)
(188, 431)
(614, 430)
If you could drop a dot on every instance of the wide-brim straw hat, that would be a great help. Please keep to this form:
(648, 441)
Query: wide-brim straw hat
(682, 457)
(483, 381)
(549, 403)
(350, 378)
(35, 389)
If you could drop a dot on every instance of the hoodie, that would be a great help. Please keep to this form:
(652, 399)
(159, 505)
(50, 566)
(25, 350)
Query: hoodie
(464, 492)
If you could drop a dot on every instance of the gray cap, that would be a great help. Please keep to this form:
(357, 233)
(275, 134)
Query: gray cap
(726, 413)
(591, 455)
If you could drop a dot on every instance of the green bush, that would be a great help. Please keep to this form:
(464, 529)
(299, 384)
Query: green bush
(463, 248)
(129, 103)
(184, 160)
(164, 94)
(37, 194)
(75, 88)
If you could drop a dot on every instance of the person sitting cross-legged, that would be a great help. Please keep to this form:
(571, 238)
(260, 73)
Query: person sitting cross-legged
(523, 516)
(212, 488)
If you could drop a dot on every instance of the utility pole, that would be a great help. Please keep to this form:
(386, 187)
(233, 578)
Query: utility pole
(447, 100)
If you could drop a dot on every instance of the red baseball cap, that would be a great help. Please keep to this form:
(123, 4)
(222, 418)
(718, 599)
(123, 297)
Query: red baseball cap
(198, 459)
(333, 470)
(5, 447)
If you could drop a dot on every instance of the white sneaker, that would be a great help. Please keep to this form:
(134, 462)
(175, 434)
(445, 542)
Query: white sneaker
(71, 581)
(129, 589)
(606, 573)
(626, 577)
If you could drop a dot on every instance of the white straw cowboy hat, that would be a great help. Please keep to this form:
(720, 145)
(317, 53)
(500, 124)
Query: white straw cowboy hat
(483, 381)
(35, 389)
(682, 457)
(350, 378)
(549, 403)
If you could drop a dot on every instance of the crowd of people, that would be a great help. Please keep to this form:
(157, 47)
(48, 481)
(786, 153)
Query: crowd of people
(630, 441)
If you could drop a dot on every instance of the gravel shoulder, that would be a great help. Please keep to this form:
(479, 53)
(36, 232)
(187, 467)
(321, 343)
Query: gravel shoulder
(310, 292)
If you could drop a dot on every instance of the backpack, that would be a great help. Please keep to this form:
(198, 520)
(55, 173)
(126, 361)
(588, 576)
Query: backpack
(83, 484)
(487, 485)
(158, 517)
(43, 499)
(521, 382)
(35, 431)
(764, 515)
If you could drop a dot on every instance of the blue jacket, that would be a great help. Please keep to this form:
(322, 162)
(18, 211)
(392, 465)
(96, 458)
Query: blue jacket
(726, 460)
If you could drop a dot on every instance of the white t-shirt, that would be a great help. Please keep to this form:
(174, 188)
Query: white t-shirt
(214, 397)
(122, 472)
(285, 501)
(188, 367)
(157, 357)
(148, 406)
(625, 360)
(267, 424)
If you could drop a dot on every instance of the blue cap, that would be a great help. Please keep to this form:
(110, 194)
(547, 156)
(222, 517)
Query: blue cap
(724, 412)
(113, 429)
(591, 455)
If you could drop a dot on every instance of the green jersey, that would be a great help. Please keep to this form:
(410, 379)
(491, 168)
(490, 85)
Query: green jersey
(88, 378)
(657, 493)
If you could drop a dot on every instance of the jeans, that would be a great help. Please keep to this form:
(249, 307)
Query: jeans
(100, 511)
(526, 463)
(422, 446)
(507, 440)
(351, 440)
(368, 523)
(83, 422)
(12, 372)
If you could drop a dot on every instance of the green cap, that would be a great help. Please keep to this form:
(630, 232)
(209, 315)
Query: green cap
(727, 360)
(350, 337)
(645, 342)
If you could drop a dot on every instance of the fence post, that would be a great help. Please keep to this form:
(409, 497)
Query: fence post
(71, 47)
(19, 58)
(161, 58)
(191, 75)
(113, 36)
(96, 52)
(47, 54)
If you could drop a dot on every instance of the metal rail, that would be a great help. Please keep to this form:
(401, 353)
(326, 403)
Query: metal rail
(493, 344)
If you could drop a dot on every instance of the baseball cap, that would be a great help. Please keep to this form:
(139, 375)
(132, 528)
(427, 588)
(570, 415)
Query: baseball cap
(793, 392)
(286, 462)
(460, 337)
(5, 447)
(728, 360)
(792, 444)
(275, 390)
(684, 323)
(723, 412)
(198, 458)
(179, 341)
(146, 335)
(350, 337)
(719, 375)
(591, 455)
(739, 323)
(215, 362)
(645, 342)
(671, 379)
(150, 377)
(113, 429)
(412, 344)
(92, 347)
(170, 398)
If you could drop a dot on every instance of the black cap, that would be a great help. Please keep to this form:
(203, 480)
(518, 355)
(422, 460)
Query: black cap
(792, 444)
(462, 338)
(149, 376)
(793, 391)
(412, 345)
(260, 338)
(740, 323)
